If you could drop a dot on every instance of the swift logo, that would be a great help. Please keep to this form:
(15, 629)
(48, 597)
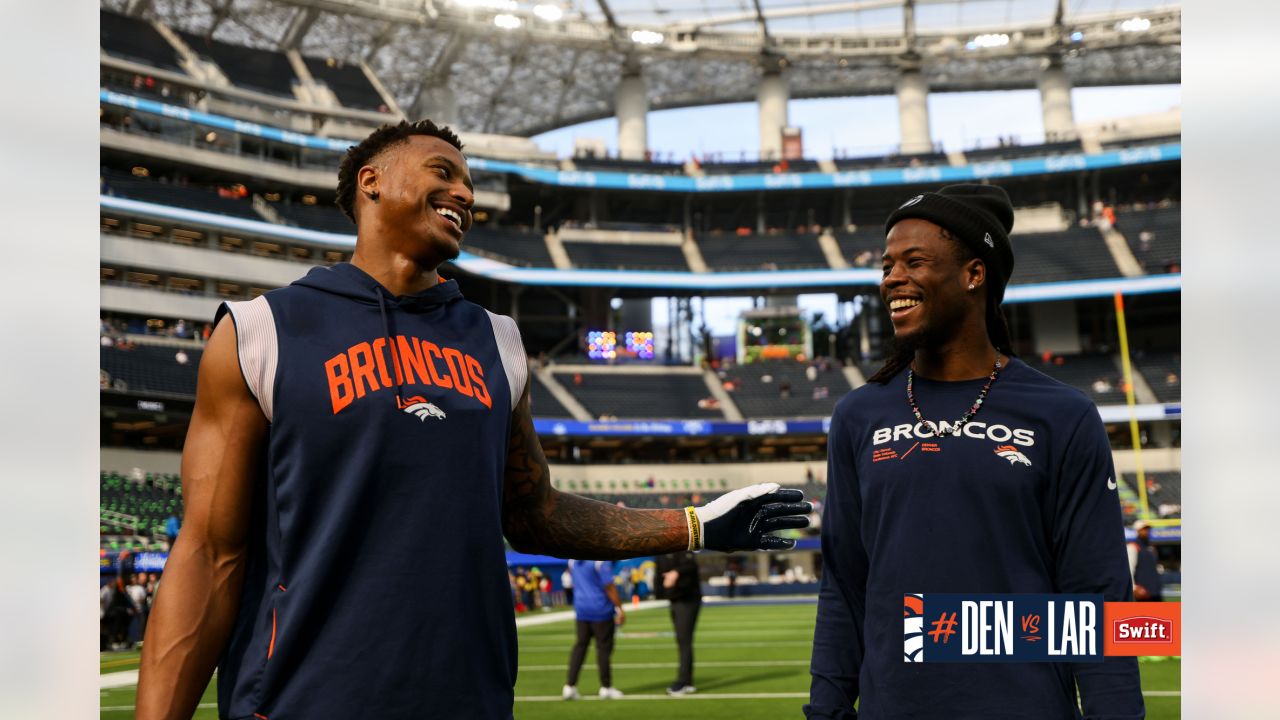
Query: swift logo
(986, 238)
(1111, 483)
(420, 408)
(911, 202)
(1012, 454)
(1142, 629)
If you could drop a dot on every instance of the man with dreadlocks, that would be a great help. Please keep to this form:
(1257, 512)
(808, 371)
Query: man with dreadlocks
(361, 442)
(959, 469)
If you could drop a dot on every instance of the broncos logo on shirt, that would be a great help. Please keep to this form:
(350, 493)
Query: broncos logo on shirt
(1013, 455)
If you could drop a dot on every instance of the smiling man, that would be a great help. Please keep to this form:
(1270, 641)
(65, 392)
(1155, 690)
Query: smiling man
(361, 443)
(959, 469)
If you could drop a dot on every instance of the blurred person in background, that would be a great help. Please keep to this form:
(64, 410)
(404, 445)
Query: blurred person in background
(171, 527)
(597, 611)
(1142, 565)
(566, 581)
(138, 596)
(677, 581)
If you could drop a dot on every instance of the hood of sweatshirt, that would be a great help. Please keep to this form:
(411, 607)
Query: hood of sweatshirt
(347, 280)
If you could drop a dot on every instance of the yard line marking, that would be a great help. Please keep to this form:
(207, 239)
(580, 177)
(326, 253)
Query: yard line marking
(657, 665)
(564, 646)
(696, 696)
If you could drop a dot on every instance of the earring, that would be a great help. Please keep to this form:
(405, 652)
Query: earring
(374, 196)
(970, 286)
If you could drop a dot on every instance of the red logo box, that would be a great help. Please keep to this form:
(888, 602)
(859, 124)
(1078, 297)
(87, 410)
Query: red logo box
(1140, 628)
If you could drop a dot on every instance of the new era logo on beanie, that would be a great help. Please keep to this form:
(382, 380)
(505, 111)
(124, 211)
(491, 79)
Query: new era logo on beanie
(981, 216)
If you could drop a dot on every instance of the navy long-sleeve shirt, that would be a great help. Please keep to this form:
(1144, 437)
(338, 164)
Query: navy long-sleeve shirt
(1023, 501)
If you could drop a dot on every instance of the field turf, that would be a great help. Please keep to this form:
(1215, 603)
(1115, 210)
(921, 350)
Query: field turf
(751, 662)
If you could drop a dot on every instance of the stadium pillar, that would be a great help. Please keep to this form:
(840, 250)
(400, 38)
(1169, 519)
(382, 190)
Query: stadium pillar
(913, 112)
(631, 101)
(439, 103)
(1055, 102)
(772, 97)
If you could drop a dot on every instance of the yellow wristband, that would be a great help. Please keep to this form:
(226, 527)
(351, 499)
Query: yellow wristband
(695, 529)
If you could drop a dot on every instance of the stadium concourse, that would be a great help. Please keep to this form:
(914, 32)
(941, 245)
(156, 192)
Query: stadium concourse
(219, 152)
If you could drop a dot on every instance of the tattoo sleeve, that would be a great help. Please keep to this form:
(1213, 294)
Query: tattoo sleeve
(537, 518)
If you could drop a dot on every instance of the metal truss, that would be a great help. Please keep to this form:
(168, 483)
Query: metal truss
(544, 75)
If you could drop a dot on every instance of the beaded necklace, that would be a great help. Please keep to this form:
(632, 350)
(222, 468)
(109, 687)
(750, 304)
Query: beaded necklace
(977, 404)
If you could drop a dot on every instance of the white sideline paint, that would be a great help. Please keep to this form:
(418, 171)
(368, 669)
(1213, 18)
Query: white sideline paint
(129, 678)
(125, 678)
(532, 620)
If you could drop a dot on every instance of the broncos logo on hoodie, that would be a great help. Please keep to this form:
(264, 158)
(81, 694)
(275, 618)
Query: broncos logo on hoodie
(419, 407)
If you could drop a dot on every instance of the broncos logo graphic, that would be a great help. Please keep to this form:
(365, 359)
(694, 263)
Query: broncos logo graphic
(913, 627)
(1013, 455)
(419, 407)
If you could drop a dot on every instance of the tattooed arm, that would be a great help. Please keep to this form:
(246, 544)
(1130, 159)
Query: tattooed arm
(537, 518)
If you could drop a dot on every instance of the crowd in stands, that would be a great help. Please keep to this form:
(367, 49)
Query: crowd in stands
(124, 606)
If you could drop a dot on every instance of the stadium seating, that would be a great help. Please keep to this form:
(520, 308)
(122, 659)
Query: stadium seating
(1164, 493)
(646, 501)
(518, 247)
(891, 160)
(1014, 152)
(152, 368)
(191, 197)
(761, 252)
(326, 218)
(1082, 371)
(1155, 236)
(544, 404)
(628, 166)
(1163, 373)
(149, 500)
(1147, 140)
(1076, 254)
(134, 39)
(862, 248)
(615, 256)
(635, 396)
(348, 83)
(248, 68)
(757, 397)
(759, 167)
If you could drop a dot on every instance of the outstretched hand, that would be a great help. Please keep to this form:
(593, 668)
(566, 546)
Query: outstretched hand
(742, 519)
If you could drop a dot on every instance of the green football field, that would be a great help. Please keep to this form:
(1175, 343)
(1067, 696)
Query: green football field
(751, 661)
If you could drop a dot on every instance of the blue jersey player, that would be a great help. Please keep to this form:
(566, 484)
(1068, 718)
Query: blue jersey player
(361, 443)
(959, 469)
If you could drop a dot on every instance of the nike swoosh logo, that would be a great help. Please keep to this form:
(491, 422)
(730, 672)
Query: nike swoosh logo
(1111, 484)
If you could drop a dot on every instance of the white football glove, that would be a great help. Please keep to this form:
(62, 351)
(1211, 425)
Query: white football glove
(740, 520)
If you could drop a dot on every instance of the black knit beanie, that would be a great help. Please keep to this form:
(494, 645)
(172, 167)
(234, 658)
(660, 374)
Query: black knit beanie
(981, 216)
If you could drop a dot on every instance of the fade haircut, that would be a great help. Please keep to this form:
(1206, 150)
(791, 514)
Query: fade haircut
(379, 140)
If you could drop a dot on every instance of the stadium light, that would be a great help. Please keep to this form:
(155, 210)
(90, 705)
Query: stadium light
(507, 21)
(646, 37)
(988, 40)
(1134, 24)
(550, 13)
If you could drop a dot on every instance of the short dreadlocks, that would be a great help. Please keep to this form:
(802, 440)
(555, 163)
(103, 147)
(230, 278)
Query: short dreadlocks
(384, 137)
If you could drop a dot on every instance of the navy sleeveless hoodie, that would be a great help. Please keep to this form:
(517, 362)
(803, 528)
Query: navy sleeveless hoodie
(376, 583)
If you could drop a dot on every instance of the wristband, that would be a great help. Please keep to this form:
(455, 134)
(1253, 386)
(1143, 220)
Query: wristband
(695, 529)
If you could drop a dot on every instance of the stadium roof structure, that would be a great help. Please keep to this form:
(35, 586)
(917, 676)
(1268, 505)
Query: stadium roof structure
(521, 67)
